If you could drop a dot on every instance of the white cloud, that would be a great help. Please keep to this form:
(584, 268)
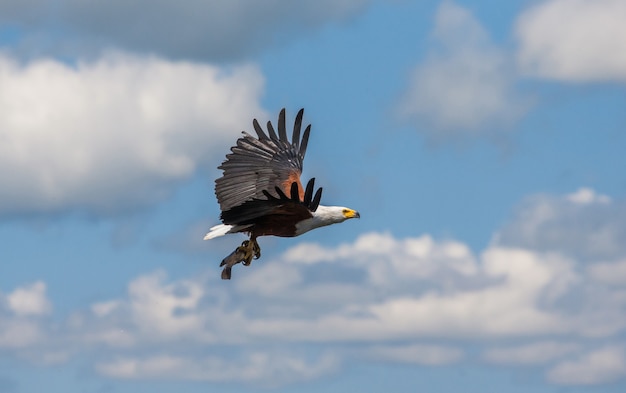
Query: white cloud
(222, 30)
(165, 309)
(509, 293)
(29, 300)
(530, 354)
(419, 257)
(113, 134)
(585, 196)
(430, 355)
(506, 307)
(603, 365)
(574, 40)
(466, 85)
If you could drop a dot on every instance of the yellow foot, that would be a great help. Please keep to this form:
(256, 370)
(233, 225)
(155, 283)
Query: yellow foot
(256, 249)
(247, 250)
(250, 249)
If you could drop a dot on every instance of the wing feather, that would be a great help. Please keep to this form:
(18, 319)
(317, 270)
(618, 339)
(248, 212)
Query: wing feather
(316, 200)
(308, 194)
(270, 129)
(297, 126)
(295, 192)
(282, 128)
(258, 167)
(305, 141)
(259, 131)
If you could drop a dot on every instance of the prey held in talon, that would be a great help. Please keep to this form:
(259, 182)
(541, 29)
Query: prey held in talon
(260, 192)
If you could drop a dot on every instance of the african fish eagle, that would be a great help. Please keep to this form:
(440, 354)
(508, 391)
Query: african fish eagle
(260, 192)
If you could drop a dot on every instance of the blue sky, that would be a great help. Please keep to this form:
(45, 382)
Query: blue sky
(481, 141)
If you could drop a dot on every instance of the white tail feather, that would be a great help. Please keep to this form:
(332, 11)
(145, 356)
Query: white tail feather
(217, 231)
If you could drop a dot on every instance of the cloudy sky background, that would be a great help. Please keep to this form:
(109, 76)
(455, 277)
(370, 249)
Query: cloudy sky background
(482, 141)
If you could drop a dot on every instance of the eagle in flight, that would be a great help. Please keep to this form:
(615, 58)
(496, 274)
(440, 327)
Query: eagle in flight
(260, 192)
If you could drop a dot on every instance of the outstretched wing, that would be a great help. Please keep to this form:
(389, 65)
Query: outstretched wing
(259, 166)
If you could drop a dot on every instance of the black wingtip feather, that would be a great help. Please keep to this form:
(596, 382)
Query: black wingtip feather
(259, 130)
(316, 200)
(305, 141)
(308, 194)
(282, 127)
(297, 126)
(295, 192)
(270, 129)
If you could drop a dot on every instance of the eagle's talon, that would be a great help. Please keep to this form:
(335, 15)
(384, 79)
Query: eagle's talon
(247, 249)
(256, 249)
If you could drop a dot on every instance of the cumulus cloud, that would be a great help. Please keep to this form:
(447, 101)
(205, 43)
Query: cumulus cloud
(29, 300)
(165, 309)
(209, 30)
(113, 134)
(466, 85)
(574, 40)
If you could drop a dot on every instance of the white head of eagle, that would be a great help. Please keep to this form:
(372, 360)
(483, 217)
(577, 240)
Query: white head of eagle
(260, 192)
